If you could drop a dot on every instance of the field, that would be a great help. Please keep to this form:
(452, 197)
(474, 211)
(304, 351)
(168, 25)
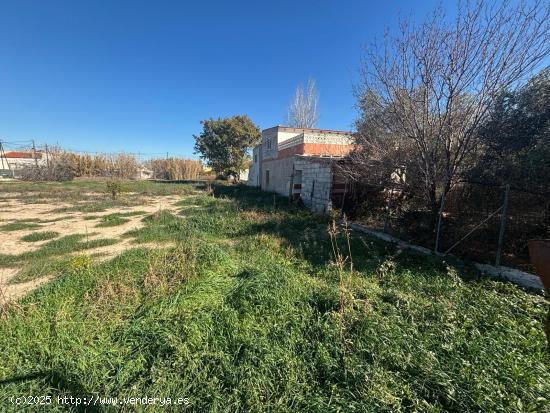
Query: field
(239, 302)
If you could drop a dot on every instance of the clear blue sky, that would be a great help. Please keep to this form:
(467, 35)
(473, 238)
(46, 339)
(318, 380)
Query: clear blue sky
(139, 75)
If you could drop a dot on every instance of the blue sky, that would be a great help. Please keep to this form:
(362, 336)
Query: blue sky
(139, 76)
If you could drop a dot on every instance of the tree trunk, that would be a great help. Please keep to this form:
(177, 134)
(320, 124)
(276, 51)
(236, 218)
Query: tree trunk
(434, 205)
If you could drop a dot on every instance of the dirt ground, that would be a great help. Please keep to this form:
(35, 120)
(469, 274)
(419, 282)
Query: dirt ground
(66, 223)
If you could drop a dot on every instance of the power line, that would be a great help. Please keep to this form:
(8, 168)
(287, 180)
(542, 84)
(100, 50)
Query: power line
(31, 144)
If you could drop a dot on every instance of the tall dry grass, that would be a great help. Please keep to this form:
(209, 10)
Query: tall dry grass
(122, 165)
(175, 168)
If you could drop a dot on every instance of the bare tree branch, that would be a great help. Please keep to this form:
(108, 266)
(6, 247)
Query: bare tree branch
(426, 90)
(303, 111)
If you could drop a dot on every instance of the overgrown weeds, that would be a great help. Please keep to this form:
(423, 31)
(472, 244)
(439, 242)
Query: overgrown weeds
(263, 310)
(114, 188)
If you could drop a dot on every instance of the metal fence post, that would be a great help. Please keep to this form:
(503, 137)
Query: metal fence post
(388, 211)
(503, 219)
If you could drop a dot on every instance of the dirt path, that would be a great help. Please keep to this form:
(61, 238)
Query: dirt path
(67, 223)
(10, 292)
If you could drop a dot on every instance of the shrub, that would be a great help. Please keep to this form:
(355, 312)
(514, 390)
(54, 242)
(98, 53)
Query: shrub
(52, 172)
(63, 165)
(114, 188)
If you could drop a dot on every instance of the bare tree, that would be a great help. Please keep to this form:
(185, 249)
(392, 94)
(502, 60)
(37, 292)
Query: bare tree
(303, 111)
(426, 91)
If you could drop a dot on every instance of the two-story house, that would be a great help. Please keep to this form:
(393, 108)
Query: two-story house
(299, 162)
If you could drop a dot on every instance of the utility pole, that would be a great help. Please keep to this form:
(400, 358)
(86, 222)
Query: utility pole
(34, 153)
(47, 158)
(2, 154)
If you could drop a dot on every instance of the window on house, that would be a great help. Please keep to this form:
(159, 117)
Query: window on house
(255, 158)
(269, 144)
(267, 177)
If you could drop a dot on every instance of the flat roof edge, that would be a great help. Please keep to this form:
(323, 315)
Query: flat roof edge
(292, 129)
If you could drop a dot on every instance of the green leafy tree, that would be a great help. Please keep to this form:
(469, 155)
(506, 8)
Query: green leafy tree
(516, 137)
(427, 89)
(224, 143)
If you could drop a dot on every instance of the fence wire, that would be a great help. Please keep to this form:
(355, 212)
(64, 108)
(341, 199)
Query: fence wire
(472, 219)
(27, 145)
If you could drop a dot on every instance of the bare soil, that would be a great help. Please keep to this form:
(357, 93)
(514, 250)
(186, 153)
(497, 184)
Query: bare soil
(67, 223)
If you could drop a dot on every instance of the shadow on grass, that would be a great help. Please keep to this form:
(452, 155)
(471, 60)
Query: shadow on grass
(307, 233)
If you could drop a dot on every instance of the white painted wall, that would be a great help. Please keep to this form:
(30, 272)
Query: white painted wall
(254, 169)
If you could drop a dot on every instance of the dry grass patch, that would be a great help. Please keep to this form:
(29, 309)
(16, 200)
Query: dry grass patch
(40, 236)
(18, 226)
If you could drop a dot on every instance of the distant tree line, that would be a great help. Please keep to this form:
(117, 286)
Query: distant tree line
(514, 140)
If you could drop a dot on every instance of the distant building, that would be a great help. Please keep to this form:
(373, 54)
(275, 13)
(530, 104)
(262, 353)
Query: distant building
(299, 163)
(13, 161)
(143, 173)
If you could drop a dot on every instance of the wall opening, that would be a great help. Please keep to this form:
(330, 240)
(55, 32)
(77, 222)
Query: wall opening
(296, 183)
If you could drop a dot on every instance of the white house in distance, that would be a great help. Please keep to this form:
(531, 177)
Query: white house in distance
(12, 161)
(299, 163)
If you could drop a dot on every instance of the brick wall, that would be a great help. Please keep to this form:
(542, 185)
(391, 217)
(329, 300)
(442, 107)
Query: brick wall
(326, 149)
(316, 149)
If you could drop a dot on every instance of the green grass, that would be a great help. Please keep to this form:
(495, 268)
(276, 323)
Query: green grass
(248, 313)
(112, 220)
(39, 236)
(41, 267)
(161, 226)
(98, 205)
(16, 226)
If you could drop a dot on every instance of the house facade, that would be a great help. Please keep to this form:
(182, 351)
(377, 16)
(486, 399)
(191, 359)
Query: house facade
(299, 163)
(12, 162)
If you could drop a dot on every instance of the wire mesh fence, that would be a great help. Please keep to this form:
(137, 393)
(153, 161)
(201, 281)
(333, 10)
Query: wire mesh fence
(483, 222)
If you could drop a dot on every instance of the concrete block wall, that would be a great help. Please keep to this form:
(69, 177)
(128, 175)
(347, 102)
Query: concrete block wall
(316, 184)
